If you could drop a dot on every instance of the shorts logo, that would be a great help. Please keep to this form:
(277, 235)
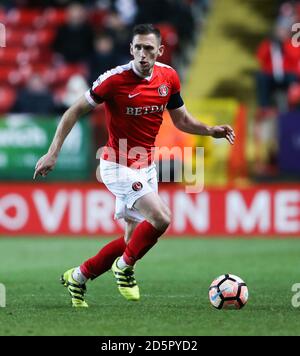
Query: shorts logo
(137, 186)
(163, 90)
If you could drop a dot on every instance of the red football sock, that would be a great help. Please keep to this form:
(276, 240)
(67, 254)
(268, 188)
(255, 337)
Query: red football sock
(144, 237)
(97, 265)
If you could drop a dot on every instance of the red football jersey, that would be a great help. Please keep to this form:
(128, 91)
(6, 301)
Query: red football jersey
(134, 109)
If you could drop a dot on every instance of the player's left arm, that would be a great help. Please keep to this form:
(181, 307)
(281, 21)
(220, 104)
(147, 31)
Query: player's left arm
(184, 121)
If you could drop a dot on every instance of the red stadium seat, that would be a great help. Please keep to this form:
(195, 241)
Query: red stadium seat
(62, 74)
(9, 55)
(24, 18)
(21, 38)
(15, 37)
(18, 76)
(2, 16)
(32, 18)
(170, 40)
(40, 68)
(5, 74)
(43, 37)
(7, 99)
(18, 56)
(97, 18)
(54, 17)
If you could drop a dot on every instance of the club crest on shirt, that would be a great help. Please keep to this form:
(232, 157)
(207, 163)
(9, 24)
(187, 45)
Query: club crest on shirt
(163, 90)
(136, 186)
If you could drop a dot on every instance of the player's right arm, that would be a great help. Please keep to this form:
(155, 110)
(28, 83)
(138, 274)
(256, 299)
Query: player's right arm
(47, 162)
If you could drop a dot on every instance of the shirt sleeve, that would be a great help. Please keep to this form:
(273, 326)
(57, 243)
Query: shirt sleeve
(100, 91)
(175, 83)
(175, 101)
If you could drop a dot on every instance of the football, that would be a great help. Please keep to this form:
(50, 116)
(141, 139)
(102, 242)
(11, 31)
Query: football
(228, 292)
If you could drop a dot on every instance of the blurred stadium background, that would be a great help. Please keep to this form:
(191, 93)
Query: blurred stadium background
(237, 65)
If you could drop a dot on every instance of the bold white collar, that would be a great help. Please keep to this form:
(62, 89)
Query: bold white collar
(139, 74)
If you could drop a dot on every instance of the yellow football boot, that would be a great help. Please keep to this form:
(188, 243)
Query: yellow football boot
(126, 282)
(75, 289)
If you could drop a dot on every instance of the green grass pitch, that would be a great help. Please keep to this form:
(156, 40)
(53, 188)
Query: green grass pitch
(173, 277)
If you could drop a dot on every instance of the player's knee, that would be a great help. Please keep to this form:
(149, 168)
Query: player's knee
(161, 220)
(168, 213)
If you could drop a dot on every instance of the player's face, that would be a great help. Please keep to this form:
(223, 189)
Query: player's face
(145, 50)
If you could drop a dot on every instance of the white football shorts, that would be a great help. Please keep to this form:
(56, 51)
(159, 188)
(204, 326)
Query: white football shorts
(128, 184)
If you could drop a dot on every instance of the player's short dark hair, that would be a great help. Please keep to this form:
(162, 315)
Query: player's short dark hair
(146, 29)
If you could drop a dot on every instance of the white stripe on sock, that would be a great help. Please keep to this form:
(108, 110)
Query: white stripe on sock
(78, 276)
(121, 263)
